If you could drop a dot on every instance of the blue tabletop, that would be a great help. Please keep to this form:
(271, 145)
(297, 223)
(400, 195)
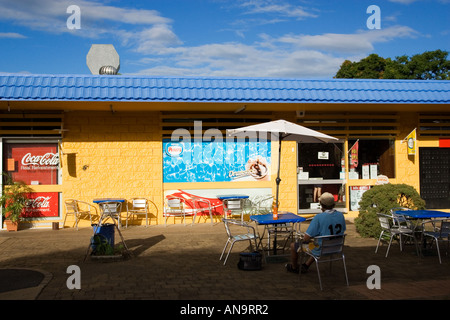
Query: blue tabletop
(100, 200)
(286, 217)
(424, 214)
(232, 196)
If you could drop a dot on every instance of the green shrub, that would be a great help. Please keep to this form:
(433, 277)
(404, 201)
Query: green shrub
(381, 199)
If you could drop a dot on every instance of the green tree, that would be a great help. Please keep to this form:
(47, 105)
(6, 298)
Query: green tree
(371, 67)
(430, 65)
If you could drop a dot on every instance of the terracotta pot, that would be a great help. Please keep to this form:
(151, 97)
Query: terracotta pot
(11, 226)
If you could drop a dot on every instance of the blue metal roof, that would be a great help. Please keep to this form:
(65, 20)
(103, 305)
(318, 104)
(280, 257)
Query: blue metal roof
(43, 87)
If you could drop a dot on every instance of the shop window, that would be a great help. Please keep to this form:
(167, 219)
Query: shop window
(320, 160)
(370, 158)
(321, 168)
(32, 163)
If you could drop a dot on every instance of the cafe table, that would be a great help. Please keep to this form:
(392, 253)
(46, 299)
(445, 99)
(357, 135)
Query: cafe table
(284, 218)
(424, 214)
(105, 215)
(419, 215)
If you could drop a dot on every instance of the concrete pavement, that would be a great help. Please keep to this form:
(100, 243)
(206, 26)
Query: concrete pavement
(182, 263)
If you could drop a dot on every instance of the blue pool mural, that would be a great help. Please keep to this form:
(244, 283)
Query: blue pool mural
(206, 161)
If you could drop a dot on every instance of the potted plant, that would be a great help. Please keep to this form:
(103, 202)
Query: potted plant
(13, 200)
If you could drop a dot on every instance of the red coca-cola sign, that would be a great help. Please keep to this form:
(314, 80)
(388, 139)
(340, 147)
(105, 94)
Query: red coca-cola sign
(42, 204)
(33, 163)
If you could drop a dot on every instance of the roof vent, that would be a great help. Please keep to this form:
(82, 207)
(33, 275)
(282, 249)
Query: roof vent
(107, 70)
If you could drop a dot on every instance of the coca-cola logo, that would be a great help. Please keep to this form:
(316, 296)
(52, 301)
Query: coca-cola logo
(39, 202)
(48, 159)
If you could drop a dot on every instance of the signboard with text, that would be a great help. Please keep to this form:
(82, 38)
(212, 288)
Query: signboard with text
(32, 163)
(42, 204)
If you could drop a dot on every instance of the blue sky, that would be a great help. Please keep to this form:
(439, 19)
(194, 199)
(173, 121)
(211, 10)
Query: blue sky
(224, 38)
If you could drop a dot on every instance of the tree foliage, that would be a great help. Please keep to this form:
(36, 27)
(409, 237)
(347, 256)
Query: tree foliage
(430, 65)
(381, 199)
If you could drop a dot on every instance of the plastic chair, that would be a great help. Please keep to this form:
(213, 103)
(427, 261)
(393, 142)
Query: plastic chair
(175, 207)
(331, 249)
(437, 233)
(139, 206)
(250, 236)
(73, 208)
(111, 209)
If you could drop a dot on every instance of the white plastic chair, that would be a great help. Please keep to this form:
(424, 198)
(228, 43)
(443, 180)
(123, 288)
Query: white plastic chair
(331, 249)
(73, 208)
(250, 236)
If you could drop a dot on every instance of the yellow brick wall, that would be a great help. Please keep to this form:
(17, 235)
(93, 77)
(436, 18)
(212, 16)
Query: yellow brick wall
(113, 155)
(407, 167)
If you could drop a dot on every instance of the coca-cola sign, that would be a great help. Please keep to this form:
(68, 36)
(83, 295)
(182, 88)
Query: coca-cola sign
(33, 163)
(46, 160)
(42, 204)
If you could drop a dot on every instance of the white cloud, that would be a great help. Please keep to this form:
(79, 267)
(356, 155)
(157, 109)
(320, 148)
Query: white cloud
(359, 42)
(276, 8)
(96, 18)
(12, 35)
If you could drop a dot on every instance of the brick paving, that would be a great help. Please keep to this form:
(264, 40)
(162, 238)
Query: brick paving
(182, 263)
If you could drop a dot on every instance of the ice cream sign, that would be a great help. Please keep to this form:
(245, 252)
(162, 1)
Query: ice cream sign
(174, 149)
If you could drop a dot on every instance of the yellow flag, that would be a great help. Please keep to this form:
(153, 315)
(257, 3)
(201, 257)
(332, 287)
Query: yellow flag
(411, 143)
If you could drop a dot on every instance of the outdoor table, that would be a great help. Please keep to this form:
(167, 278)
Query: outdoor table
(418, 216)
(106, 200)
(102, 216)
(424, 214)
(267, 220)
(232, 197)
(102, 200)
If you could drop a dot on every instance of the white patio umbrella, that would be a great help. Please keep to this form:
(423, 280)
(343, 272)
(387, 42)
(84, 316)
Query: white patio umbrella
(282, 130)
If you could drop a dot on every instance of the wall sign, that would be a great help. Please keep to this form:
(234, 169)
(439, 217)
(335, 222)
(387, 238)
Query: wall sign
(206, 161)
(42, 204)
(33, 163)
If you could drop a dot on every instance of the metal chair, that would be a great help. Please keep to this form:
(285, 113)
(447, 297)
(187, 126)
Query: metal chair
(392, 226)
(437, 233)
(175, 207)
(331, 249)
(250, 236)
(139, 206)
(263, 206)
(111, 209)
(73, 208)
(201, 204)
(233, 207)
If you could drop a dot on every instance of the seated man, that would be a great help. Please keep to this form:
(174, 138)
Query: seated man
(328, 222)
